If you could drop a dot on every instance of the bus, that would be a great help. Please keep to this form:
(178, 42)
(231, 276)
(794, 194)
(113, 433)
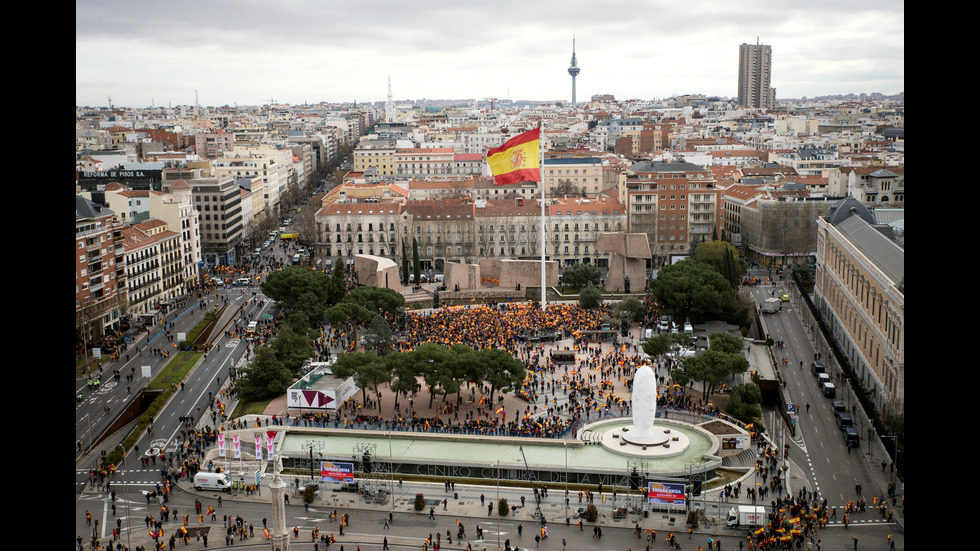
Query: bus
(288, 236)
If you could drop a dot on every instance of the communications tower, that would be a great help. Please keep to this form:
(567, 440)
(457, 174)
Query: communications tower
(573, 70)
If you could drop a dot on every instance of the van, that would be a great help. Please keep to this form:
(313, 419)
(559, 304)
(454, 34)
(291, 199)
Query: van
(822, 378)
(829, 390)
(212, 481)
(817, 368)
(648, 333)
(253, 326)
(844, 420)
(242, 281)
(851, 437)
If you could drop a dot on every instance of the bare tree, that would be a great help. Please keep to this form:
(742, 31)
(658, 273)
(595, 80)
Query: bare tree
(565, 188)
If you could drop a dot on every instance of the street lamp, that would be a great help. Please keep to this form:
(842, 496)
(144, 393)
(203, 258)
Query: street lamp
(498, 503)
(565, 445)
(129, 542)
(391, 474)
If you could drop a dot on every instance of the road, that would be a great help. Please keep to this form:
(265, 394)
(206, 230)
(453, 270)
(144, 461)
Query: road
(98, 408)
(818, 450)
(832, 470)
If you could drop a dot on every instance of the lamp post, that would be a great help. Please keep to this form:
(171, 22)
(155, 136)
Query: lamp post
(391, 474)
(129, 542)
(498, 503)
(565, 445)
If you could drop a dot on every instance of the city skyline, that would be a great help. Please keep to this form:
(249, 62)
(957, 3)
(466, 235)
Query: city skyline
(249, 53)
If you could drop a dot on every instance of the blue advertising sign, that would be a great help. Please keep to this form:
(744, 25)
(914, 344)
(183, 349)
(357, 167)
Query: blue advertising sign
(336, 472)
(667, 493)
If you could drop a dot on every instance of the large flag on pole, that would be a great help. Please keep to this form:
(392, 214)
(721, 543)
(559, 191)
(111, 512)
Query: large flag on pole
(517, 160)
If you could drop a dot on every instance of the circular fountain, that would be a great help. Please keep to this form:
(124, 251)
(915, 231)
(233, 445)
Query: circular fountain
(645, 438)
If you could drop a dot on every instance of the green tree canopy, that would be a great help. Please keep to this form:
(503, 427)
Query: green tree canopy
(580, 275)
(726, 342)
(693, 291)
(378, 337)
(743, 404)
(265, 377)
(664, 343)
(295, 286)
(292, 347)
(499, 369)
(590, 297)
(368, 370)
(375, 298)
(723, 257)
(632, 306)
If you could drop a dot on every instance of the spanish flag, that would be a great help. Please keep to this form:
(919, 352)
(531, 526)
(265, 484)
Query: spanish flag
(517, 160)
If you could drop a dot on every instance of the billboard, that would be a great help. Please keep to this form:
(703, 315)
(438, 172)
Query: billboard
(734, 443)
(336, 472)
(666, 493)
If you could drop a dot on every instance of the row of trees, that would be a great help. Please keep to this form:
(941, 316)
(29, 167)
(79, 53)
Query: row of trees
(306, 298)
(444, 370)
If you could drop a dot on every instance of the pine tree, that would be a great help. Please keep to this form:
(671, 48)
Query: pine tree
(404, 263)
(416, 266)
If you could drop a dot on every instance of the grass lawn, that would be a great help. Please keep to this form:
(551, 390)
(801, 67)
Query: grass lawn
(249, 408)
(175, 371)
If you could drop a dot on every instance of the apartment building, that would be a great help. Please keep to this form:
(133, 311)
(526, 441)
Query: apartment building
(572, 176)
(218, 203)
(445, 230)
(174, 207)
(212, 145)
(177, 210)
(348, 229)
(507, 228)
(755, 75)
(154, 268)
(100, 270)
(779, 226)
(674, 203)
(859, 291)
(375, 154)
(422, 162)
(574, 225)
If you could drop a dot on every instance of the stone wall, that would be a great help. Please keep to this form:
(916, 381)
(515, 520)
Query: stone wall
(508, 273)
(466, 276)
(377, 271)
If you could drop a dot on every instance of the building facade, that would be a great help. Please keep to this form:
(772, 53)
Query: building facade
(755, 75)
(859, 291)
(674, 203)
(100, 270)
(154, 268)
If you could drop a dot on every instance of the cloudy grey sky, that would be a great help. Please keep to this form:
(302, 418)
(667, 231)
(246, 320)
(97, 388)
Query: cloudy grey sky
(294, 51)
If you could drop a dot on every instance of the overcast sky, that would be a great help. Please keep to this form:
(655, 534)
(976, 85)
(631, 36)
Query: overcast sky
(143, 53)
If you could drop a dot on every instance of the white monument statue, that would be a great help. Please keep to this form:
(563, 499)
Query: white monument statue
(644, 403)
(642, 438)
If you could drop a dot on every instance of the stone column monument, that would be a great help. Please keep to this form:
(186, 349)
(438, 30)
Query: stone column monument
(279, 535)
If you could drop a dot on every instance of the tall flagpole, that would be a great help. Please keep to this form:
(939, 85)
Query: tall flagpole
(544, 299)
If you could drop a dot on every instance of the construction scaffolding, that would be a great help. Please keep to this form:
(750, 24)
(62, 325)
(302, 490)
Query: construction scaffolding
(375, 482)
